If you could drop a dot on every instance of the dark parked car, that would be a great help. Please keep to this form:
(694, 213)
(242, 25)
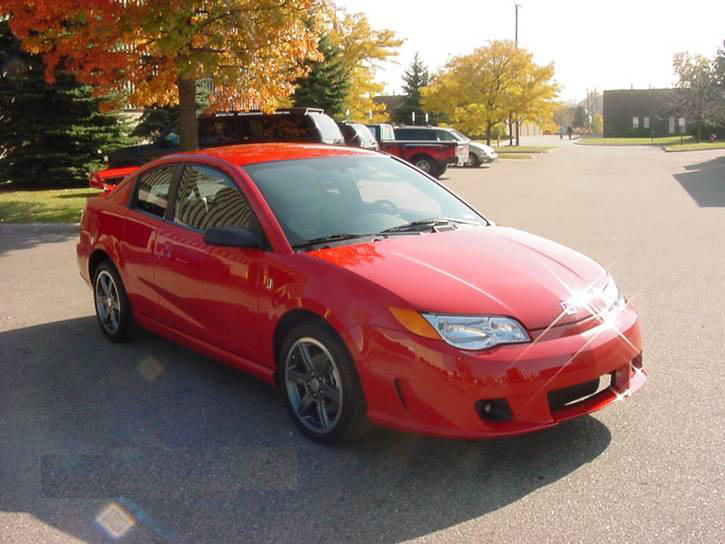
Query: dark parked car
(228, 128)
(358, 135)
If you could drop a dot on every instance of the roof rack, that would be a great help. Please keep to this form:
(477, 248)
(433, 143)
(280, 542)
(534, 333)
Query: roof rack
(298, 111)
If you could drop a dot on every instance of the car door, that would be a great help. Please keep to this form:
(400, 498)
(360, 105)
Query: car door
(209, 292)
(147, 207)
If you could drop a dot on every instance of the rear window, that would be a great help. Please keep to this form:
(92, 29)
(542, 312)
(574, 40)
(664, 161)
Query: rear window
(329, 131)
(364, 133)
(417, 134)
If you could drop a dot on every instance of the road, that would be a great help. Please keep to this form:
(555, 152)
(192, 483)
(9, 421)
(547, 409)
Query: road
(213, 458)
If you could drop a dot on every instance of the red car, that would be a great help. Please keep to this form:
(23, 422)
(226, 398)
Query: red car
(365, 290)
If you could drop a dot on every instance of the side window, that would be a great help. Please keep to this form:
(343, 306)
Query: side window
(445, 136)
(206, 198)
(152, 190)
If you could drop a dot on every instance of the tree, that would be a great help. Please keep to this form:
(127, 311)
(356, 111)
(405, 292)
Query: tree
(49, 134)
(597, 124)
(580, 117)
(696, 75)
(327, 84)
(534, 92)
(252, 50)
(477, 91)
(362, 49)
(563, 114)
(414, 79)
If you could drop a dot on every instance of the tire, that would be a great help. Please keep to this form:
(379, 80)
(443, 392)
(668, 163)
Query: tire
(474, 161)
(441, 169)
(315, 368)
(425, 163)
(109, 298)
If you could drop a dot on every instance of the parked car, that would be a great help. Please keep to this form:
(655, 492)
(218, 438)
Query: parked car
(477, 153)
(431, 157)
(358, 135)
(228, 128)
(364, 289)
(109, 178)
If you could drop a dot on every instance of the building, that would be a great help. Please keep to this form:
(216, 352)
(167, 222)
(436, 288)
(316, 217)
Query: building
(643, 112)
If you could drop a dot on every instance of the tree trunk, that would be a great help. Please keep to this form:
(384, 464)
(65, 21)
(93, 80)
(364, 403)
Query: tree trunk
(511, 130)
(488, 133)
(517, 132)
(188, 127)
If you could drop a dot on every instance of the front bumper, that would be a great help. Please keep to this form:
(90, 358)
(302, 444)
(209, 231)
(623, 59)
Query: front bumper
(424, 385)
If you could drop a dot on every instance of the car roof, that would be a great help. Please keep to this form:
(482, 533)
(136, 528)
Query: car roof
(255, 153)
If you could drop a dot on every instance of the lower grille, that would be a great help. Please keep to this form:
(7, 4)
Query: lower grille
(566, 396)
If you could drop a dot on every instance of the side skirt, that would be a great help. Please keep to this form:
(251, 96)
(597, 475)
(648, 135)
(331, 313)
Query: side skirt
(262, 372)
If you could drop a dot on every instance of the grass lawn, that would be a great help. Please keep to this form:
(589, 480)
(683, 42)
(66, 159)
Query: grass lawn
(517, 155)
(524, 148)
(665, 140)
(44, 206)
(695, 146)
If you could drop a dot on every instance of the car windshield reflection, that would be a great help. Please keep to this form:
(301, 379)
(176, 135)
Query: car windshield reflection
(323, 198)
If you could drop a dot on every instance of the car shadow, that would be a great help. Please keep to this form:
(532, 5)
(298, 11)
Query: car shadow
(24, 236)
(189, 430)
(705, 182)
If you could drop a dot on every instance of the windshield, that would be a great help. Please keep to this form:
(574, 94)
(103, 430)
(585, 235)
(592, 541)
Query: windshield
(460, 137)
(354, 195)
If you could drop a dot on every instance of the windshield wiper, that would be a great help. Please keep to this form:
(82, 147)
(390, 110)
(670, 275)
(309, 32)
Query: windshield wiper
(331, 238)
(428, 223)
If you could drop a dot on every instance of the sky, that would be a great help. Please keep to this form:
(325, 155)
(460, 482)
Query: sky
(604, 44)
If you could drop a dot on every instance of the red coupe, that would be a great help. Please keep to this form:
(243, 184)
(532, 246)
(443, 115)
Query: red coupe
(364, 289)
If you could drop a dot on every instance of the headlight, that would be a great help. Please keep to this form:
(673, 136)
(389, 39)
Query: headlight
(610, 295)
(467, 332)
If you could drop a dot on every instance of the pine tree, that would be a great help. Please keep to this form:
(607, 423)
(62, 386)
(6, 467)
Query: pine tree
(50, 135)
(415, 78)
(327, 84)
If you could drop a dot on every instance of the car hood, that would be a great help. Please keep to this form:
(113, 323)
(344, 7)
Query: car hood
(483, 148)
(475, 271)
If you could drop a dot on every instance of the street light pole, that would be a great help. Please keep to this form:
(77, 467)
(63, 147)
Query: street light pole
(516, 44)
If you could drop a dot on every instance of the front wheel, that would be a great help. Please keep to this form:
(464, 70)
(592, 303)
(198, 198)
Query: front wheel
(109, 297)
(321, 386)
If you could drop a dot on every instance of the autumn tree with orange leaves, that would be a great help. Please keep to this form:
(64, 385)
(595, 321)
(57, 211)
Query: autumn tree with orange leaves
(156, 50)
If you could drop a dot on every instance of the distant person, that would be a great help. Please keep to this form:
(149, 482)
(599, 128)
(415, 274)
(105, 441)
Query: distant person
(569, 131)
(561, 132)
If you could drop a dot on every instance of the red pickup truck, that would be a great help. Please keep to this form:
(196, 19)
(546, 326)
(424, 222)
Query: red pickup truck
(431, 157)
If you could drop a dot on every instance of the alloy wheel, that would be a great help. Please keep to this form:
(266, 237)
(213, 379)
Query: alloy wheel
(313, 385)
(108, 303)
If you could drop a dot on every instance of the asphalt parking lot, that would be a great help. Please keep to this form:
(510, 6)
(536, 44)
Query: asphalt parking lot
(148, 442)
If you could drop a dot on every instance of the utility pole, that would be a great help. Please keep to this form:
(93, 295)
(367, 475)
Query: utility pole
(516, 44)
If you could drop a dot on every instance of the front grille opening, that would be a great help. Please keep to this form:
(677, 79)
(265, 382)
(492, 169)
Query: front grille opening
(494, 410)
(566, 396)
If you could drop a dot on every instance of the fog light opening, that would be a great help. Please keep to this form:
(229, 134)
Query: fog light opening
(494, 410)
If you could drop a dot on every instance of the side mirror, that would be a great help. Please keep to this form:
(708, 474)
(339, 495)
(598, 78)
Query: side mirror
(234, 237)
(169, 140)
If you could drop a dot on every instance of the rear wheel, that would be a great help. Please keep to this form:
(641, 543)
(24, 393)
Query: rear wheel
(111, 302)
(425, 163)
(474, 161)
(321, 386)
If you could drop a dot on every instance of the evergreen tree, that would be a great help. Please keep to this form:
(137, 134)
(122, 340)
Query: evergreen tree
(49, 134)
(327, 84)
(415, 78)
